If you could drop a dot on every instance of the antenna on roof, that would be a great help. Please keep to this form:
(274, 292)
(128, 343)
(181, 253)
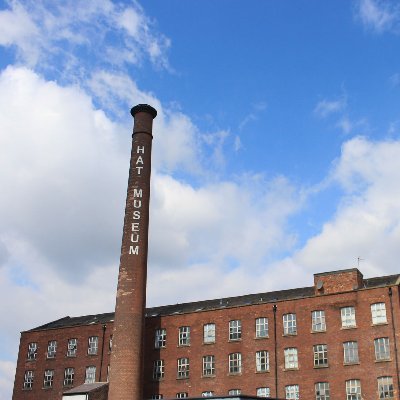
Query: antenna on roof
(358, 261)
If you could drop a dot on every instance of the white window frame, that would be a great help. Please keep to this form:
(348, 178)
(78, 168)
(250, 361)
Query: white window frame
(158, 370)
(318, 321)
(320, 355)
(292, 392)
(69, 375)
(235, 363)
(32, 351)
(322, 391)
(209, 365)
(209, 333)
(28, 380)
(382, 349)
(378, 313)
(291, 358)
(263, 392)
(183, 368)
(156, 396)
(181, 395)
(93, 345)
(90, 374)
(51, 349)
(353, 389)
(110, 343)
(207, 393)
(348, 317)
(350, 352)
(184, 336)
(160, 338)
(289, 324)
(48, 378)
(72, 347)
(234, 392)
(261, 327)
(235, 329)
(385, 387)
(262, 361)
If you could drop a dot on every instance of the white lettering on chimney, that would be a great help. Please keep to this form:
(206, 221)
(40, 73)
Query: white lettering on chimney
(137, 204)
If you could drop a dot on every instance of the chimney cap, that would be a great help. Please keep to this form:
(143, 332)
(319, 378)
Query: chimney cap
(143, 108)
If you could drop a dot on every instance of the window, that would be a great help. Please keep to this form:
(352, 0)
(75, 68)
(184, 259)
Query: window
(51, 349)
(292, 392)
(318, 323)
(382, 349)
(28, 380)
(183, 368)
(90, 376)
(353, 390)
(291, 360)
(348, 315)
(156, 396)
(378, 313)
(69, 376)
(72, 347)
(385, 387)
(235, 330)
(209, 333)
(350, 350)
(108, 373)
(234, 392)
(158, 369)
(48, 378)
(289, 324)
(261, 327)
(320, 355)
(263, 392)
(322, 391)
(181, 395)
(208, 365)
(93, 345)
(262, 361)
(184, 336)
(110, 343)
(160, 339)
(207, 394)
(235, 363)
(32, 351)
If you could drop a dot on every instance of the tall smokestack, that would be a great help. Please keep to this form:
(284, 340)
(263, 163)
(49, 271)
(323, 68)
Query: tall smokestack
(126, 368)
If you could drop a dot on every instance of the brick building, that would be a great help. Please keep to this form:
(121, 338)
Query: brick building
(336, 339)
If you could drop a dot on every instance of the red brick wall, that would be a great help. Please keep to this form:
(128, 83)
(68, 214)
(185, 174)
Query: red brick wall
(61, 361)
(306, 376)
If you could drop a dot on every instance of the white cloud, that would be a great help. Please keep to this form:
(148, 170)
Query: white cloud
(111, 33)
(367, 222)
(7, 372)
(325, 107)
(379, 16)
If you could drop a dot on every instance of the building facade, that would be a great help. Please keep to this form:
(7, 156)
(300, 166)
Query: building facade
(337, 339)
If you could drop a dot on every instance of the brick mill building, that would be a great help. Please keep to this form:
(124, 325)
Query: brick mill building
(337, 339)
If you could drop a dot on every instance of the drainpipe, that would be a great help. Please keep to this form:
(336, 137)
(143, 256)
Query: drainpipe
(274, 308)
(394, 337)
(102, 350)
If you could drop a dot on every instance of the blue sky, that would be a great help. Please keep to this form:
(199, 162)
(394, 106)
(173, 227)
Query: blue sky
(276, 148)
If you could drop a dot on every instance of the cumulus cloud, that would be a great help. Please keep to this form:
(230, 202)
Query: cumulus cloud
(48, 34)
(379, 16)
(367, 221)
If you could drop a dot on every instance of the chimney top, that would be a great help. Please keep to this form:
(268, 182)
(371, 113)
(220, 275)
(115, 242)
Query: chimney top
(144, 108)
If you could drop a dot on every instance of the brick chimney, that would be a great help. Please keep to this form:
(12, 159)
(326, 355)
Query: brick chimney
(126, 365)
